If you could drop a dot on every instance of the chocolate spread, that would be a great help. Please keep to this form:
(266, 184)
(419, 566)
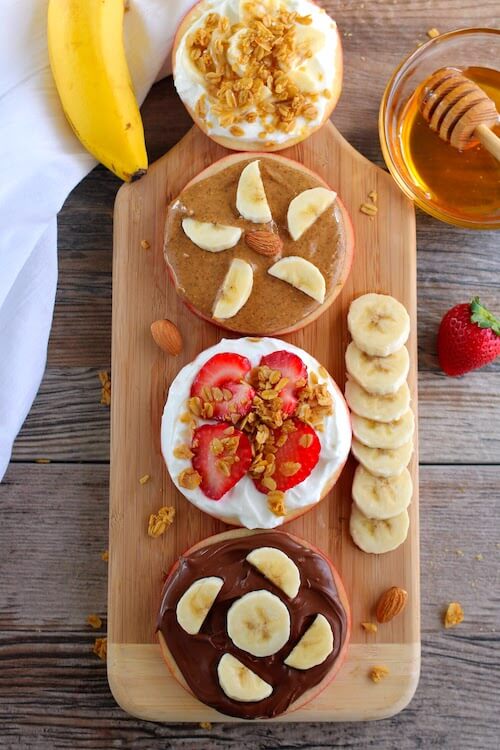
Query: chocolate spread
(197, 656)
(273, 305)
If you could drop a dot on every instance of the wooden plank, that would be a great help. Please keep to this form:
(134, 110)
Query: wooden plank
(67, 422)
(141, 374)
(50, 678)
(62, 509)
(55, 693)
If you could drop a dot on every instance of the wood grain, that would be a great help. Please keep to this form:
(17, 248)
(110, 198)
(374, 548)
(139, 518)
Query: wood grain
(384, 260)
(67, 422)
(54, 692)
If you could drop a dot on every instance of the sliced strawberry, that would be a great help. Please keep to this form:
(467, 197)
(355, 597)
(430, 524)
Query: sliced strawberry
(231, 398)
(222, 455)
(290, 366)
(296, 458)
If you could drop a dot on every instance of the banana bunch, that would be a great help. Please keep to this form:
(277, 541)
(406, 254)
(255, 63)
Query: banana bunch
(382, 422)
(87, 58)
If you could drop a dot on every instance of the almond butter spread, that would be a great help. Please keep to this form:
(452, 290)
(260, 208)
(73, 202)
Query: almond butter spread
(273, 305)
(198, 656)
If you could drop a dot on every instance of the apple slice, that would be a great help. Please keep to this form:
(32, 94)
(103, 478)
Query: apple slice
(211, 237)
(302, 274)
(306, 207)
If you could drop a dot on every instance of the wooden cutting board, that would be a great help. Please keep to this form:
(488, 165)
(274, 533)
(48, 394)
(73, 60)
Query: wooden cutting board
(384, 261)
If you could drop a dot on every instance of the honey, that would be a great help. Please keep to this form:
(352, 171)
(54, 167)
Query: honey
(463, 183)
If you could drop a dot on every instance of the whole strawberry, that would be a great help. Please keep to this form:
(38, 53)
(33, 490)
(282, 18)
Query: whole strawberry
(468, 338)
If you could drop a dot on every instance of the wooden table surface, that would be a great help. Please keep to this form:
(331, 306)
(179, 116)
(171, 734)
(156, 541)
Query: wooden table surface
(54, 516)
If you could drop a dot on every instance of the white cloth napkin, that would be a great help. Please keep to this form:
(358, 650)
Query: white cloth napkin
(41, 162)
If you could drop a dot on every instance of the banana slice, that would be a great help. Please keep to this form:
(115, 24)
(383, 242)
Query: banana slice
(277, 568)
(375, 535)
(258, 622)
(302, 274)
(211, 237)
(373, 406)
(239, 683)
(379, 497)
(234, 54)
(314, 647)
(195, 603)
(235, 290)
(306, 207)
(249, 10)
(387, 435)
(379, 324)
(251, 201)
(307, 42)
(383, 463)
(308, 76)
(381, 375)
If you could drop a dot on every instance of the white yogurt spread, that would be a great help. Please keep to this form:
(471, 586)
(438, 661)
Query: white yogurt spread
(321, 67)
(244, 503)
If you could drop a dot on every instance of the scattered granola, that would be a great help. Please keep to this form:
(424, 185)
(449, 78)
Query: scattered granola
(160, 521)
(189, 479)
(145, 245)
(276, 502)
(100, 648)
(105, 387)
(144, 479)
(378, 673)
(370, 627)
(206, 725)
(183, 451)
(454, 615)
(479, 556)
(433, 33)
(42, 460)
(94, 621)
(370, 209)
(105, 555)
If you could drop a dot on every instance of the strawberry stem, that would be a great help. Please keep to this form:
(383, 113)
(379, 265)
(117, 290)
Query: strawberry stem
(482, 316)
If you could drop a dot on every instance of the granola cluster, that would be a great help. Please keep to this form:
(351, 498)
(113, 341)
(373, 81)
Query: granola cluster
(159, 522)
(264, 91)
(267, 426)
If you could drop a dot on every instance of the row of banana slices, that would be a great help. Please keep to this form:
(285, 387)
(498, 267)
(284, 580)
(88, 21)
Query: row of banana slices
(383, 423)
(257, 622)
(252, 204)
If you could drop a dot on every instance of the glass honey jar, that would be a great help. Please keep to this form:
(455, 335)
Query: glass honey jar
(459, 187)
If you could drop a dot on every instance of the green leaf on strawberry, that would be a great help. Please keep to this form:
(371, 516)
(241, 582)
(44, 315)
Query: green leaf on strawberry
(482, 316)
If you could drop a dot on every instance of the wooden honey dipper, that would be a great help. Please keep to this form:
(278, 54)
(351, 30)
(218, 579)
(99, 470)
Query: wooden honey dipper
(459, 110)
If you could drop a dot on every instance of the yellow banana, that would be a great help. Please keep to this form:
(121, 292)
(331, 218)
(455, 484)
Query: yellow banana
(90, 69)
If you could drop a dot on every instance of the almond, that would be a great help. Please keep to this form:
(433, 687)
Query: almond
(264, 242)
(167, 336)
(391, 603)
